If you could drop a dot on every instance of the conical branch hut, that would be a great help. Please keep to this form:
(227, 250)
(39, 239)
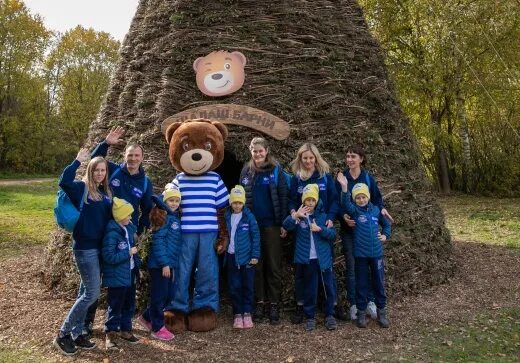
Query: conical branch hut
(313, 64)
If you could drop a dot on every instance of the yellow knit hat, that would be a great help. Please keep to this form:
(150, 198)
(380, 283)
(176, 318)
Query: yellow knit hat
(311, 191)
(238, 194)
(170, 193)
(121, 209)
(360, 188)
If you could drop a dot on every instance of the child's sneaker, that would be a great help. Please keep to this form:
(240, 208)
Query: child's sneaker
(330, 323)
(83, 342)
(163, 334)
(65, 344)
(129, 337)
(274, 314)
(248, 321)
(372, 310)
(110, 340)
(362, 319)
(353, 312)
(144, 323)
(382, 319)
(310, 324)
(238, 322)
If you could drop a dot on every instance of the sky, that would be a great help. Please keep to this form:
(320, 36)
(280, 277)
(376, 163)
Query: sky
(111, 16)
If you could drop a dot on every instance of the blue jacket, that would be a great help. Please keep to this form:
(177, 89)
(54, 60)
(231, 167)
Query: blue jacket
(368, 219)
(375, 195)
(274, 202)
(328, 193)
(323, 240)
(90, 228)
(116, 255)
(166, 241)
(130, 188)
(247, 236)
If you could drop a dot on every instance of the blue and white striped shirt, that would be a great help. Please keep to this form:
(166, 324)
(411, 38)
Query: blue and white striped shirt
(201, 196)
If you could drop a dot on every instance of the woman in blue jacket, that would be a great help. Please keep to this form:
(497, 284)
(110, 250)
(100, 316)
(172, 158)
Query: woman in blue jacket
(163, 260)
(87, 239)
(310, 168)
(266, 196)
(355, 173)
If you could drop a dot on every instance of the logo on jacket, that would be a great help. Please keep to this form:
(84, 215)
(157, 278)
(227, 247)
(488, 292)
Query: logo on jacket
(245, 180)
(116, 182)
(266, 180)
(303, 224)
(137, 192)
(175, 225)
(363, 219)
(245, 226)
(300, 189)
(122, 245)
(323, 187)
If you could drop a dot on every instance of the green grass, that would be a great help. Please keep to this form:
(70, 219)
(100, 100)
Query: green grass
(9, 355)
(26, 217)
(483, 219)
(12, 175)
(487, 338)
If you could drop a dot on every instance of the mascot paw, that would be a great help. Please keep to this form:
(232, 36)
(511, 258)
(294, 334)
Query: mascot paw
(175, 321)
(202, 320)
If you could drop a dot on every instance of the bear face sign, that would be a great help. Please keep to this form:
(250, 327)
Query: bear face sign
(220, 73)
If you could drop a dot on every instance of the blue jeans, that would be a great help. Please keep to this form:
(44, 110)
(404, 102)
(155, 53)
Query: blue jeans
(312, 273)
(370, 272)
(161, 294)
(87, 262)
(241, 281)
(350, 272)
(198, 249)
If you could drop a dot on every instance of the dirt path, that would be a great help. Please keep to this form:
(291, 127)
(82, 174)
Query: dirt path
(8, 182)
(487, 281)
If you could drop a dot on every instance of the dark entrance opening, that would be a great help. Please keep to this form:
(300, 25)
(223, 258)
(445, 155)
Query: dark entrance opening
(230, 169)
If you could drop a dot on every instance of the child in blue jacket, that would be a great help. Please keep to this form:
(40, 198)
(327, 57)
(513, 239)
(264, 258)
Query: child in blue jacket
(368, 248)
(313, 255)
(163, 260)
(242, 255)
(120, 266)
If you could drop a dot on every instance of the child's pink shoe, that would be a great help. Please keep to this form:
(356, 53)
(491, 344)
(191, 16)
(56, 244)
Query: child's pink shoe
(163, 334)
(238, 322)
(248, 321)
(144, 323)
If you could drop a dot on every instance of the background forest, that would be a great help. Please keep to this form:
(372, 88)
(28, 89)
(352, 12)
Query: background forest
(455, 66)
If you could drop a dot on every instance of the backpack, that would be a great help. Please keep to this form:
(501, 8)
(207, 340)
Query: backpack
(287, 176)
(65, 212)
(119, 169)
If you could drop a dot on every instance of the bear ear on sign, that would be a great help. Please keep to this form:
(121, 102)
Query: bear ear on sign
(222, 128)
(170, 130)
(240, 56)
(196, 64)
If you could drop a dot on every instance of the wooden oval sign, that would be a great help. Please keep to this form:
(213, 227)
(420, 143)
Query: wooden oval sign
(235, 115)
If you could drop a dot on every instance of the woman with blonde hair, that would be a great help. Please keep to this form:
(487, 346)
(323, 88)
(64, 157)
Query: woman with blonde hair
(310, 168)
(266, 196)
(93, 197)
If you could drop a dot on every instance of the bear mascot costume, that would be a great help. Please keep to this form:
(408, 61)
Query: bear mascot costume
(196, 148)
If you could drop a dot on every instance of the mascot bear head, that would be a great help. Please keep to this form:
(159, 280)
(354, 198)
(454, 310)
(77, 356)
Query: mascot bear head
(196, 146)
(220, 73)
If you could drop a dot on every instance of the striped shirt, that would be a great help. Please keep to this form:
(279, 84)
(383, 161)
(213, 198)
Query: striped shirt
(201, 196)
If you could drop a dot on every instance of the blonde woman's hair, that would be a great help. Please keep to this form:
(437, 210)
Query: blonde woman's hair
(88, 178)
(297, 167)
(269, 158)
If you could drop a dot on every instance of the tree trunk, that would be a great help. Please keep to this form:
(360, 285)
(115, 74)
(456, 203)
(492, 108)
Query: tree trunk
(464, 141)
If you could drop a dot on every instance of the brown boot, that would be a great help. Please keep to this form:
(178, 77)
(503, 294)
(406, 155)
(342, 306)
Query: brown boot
(202, 320)
(175, 321)
(129, 337)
